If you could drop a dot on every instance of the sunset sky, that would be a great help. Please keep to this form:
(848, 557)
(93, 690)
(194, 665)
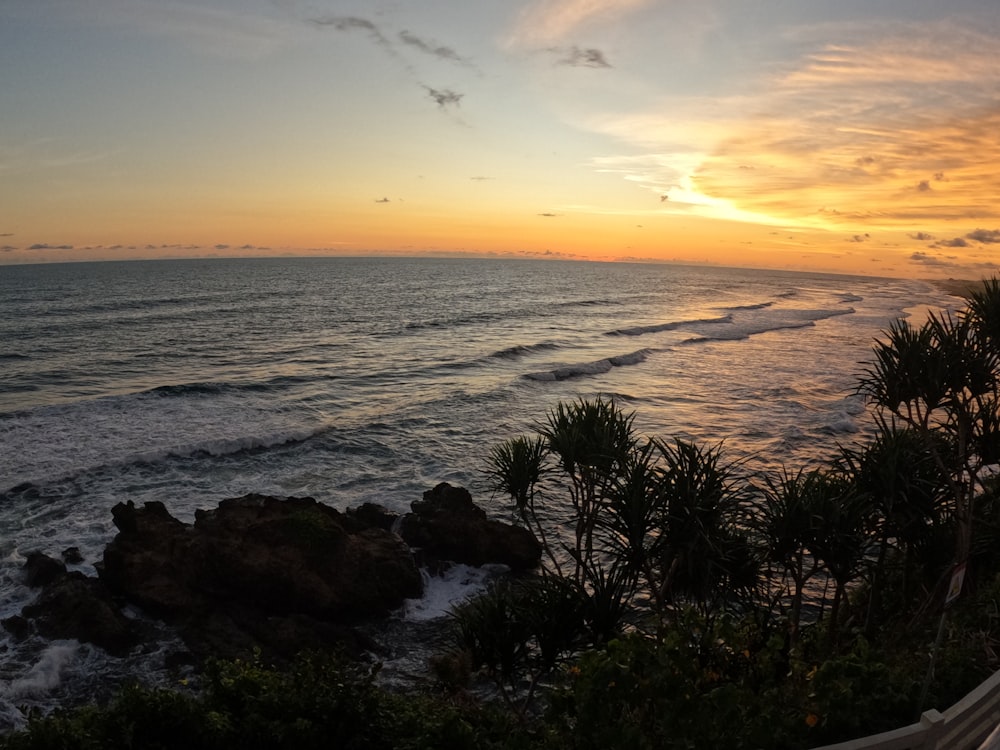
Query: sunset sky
(858, 136)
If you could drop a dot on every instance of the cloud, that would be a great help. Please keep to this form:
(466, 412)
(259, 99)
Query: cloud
(956, 242)
(221, 246)
(581, 58)
(444, 97)
(382, 200)
(439, 51)
(921, 236)
(840, 138)
(548, 215)
(7, 248)
(354, 23)
(929, 260)
(47, 246)
(481, 178)
(861, 237)
(6, 234)
(551, 20)
(986, 236)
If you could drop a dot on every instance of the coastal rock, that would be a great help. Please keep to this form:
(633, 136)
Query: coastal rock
(75, 606)
(448, 525)
(259, 572)
(291, 556)
(41, 570)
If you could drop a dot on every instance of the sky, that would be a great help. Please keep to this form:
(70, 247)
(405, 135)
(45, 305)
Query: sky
(857, 136)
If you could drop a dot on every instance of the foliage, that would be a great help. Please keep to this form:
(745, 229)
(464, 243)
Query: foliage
(320, 702)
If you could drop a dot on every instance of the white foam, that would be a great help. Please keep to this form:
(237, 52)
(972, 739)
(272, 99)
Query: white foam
(45, 675)
(455, 585)
(142, 428)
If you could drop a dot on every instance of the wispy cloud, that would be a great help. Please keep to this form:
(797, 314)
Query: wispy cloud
(891, 131)
(435, 50)
(444, 97)
(581, 58)
(549, 21)
(353, 23)
(895, 128)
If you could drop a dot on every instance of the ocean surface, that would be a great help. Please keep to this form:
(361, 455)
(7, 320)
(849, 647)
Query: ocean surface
(359, 379)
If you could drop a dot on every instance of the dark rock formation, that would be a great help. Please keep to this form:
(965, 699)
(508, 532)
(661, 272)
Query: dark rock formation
(261, 572)
(447, 525)
(75, 606)
(40, 569)
(281, 556)
(71, 605)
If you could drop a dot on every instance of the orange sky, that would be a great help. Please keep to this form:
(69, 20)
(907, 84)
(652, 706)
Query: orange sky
(854, 137)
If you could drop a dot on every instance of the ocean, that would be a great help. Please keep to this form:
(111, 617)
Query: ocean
(356, 380)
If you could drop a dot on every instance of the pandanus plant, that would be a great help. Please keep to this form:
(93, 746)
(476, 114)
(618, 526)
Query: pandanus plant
(941, 380)
(591, 441)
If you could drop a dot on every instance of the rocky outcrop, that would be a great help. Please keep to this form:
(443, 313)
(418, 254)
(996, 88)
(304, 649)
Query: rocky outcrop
(447, 525)
(293, 556)
(71, 605)
(262, 572)
(259, 571)
(75, 606)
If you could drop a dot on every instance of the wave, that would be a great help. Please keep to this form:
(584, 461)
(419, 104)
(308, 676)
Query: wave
(585, 369)
(671, 326)
(214, 447)
(514, 352)
(215, 388)
(588, 303)
(456, 322)
(13, 355)
(740, 308)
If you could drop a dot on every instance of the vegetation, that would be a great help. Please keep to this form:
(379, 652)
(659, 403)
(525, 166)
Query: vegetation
(680, 602)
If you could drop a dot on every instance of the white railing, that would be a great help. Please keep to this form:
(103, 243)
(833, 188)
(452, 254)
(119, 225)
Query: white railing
(970, 724)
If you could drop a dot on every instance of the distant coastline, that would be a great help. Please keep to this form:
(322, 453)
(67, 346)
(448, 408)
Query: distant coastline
(958, 287)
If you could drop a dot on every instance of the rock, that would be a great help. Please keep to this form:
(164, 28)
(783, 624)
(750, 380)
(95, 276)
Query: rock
(447, 525)
(258, 572)
(284, 573)
(373, 514)
(41, 570)
(75, 606)
(145, 564)
(18, 626)
(72, 556)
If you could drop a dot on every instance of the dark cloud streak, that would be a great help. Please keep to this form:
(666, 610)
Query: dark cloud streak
(986, 236)
(354, 23)
(439, 51)
(444, 97)
(577, 57)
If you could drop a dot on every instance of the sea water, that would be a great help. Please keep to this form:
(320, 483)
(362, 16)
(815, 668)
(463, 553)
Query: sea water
(356, 380)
